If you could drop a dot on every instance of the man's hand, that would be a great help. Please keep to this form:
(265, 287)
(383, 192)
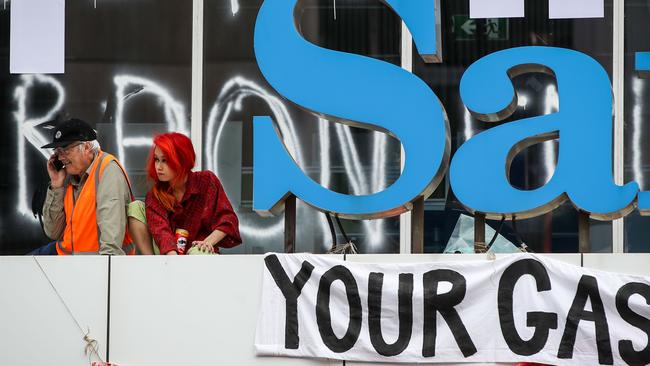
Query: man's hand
(57, 177)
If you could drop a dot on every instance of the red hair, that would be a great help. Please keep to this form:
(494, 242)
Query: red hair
(180, 157)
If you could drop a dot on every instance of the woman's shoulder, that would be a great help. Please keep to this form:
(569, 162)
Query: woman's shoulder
(207, 177)
(150, 201)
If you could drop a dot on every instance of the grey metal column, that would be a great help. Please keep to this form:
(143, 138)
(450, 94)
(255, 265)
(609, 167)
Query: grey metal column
(479, 233)
(583, 232)
(290, 224)
(618, 84)
(417, 226)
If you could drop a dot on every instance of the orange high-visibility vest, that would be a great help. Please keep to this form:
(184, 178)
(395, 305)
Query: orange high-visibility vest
(81, 235)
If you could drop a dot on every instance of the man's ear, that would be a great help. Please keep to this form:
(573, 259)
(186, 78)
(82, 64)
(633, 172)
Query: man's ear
(87, 147)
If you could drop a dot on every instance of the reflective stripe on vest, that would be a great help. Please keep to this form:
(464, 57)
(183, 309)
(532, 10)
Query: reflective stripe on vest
(81, 234)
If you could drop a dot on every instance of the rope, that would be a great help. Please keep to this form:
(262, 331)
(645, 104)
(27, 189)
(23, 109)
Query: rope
(346, 248)
(520, 242)
(345, 236)
(497, 232)
(91, 344)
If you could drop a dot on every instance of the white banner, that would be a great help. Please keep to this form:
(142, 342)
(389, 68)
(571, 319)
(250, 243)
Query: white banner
(514, 309)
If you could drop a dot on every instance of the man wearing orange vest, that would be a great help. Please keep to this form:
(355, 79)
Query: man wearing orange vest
(86, 202)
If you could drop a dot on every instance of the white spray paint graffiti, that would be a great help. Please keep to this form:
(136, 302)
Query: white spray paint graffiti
(354, 171)
(27, 129)
(467, 118)
(230, 99)
(637, 131)
(551, 105)
(175, 117)
(234, 6)
(375, 228)
(137, 141)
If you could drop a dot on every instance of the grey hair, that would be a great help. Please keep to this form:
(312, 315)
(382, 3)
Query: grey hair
(94, 146)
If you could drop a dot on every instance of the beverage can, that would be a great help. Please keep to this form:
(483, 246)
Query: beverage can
(181, 240)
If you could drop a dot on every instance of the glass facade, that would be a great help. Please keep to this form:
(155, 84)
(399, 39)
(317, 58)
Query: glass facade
(345, 159)
(129, 71)
(637, 168)
(465, 41)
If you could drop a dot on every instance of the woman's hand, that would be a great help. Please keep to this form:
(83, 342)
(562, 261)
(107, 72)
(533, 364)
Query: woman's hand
(203, 246)
(172, 252)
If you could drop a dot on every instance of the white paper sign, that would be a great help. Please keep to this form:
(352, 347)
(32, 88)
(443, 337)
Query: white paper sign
(570, 9)
(519, 308)
(37, 39)
(496, 9)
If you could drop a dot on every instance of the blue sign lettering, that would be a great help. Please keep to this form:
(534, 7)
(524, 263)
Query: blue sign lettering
(369, 93)
(355, 90)
(479, 170)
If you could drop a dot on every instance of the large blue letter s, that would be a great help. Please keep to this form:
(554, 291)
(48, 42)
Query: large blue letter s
(355, 90)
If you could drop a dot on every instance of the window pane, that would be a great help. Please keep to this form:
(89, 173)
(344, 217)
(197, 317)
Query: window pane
(344, 159)
(127, 72)
(637, 16)
(464, 42)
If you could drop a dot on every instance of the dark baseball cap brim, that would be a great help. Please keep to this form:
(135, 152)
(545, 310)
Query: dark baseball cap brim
(54, 145)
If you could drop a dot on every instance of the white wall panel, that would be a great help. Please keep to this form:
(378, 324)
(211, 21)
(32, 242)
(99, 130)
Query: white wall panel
(167, 310)
(199, 310)
(633, 263)
(35, 327)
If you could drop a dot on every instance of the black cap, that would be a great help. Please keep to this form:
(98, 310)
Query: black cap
(69, 131)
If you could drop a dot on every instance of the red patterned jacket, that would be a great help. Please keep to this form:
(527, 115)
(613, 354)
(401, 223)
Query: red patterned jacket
(203, 209)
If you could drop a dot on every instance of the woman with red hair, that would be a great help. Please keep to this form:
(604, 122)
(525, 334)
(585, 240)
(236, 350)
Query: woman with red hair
(183, 201)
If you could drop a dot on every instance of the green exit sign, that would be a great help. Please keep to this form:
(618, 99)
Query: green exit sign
(465, 29)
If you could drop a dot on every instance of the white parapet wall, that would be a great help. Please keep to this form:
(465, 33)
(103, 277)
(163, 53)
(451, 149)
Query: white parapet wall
(164, 310)
(199, 310)
(35, 326)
